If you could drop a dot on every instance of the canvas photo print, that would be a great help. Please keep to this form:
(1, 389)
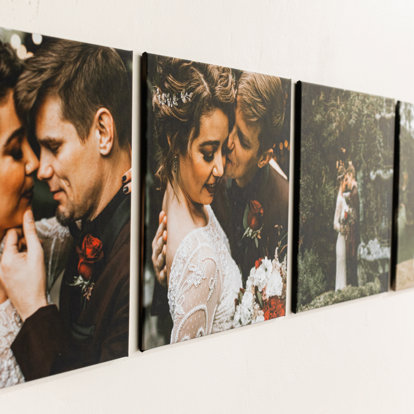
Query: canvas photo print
(343, 217)
(216, 190)
(404, 276)
(65, 160)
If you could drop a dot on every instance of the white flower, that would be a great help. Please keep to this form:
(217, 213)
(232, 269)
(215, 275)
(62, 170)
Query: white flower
(245, 316)
(259, 277)
(259, 317)
(275, 285)
(246, 308)
(247, 298)
(249, 282)
(269, 276)
(237, 317)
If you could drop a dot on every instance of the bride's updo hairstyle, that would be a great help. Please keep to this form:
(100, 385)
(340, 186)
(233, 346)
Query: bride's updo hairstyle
(182, 92)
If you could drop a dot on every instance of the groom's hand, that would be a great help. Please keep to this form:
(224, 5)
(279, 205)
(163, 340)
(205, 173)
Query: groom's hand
(22, 270)
(127, 181)
(159, 249)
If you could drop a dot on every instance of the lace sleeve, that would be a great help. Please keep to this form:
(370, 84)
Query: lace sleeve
(10, 324)
(194, 295)
(56, 243)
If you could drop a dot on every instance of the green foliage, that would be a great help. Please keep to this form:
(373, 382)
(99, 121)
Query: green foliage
(347, 126)
(348, 293)
(406, 185)
(312, 281)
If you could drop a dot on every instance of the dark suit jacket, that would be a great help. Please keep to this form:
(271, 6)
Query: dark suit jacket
(84, 332)
(353, 238)
(271, 190)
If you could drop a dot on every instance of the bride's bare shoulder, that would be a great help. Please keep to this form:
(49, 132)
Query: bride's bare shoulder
(179, 225)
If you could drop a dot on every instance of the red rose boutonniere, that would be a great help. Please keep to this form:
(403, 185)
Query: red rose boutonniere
(253, 221)
(90, 253)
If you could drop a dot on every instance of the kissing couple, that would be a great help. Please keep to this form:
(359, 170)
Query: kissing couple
(225, 198)
(73, 102)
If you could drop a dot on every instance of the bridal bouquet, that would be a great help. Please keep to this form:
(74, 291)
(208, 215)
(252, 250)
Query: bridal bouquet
(265, 295)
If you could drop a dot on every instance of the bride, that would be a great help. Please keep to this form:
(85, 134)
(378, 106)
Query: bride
(193, 106)
(17, 165)
(341, 212)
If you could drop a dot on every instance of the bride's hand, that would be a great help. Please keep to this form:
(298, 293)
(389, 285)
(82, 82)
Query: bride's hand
(22, 271)
(159, 249)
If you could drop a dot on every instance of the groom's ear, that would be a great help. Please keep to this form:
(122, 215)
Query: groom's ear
(265, 158)
(104, 130)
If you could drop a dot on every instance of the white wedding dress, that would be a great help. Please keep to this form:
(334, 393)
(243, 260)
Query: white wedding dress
(341, 208)
(56, 242)
(204, 283)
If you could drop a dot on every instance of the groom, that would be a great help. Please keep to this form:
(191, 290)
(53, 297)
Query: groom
(252, 204)
(76, 97)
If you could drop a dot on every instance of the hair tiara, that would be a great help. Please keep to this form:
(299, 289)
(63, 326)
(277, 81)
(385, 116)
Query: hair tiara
(173, 99)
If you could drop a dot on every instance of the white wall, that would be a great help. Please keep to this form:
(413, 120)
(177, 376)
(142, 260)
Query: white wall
(356, 357)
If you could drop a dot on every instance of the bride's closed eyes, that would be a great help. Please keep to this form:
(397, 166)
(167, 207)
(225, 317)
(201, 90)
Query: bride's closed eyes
(204, 162)
(13, 146)
(208, 149)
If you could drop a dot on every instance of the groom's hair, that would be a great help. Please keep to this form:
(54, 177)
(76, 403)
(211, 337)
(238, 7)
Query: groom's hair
(261, 99)
(10, 69)
(85, 77)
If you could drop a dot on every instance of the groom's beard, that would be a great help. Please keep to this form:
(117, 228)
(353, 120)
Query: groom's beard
(70, 214)
(64, 219)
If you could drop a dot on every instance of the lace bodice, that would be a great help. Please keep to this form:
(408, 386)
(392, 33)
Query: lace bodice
(56, 243)
(204, 283)
(10, 324)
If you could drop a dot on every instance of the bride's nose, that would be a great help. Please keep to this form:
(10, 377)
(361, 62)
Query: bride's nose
(218, 168)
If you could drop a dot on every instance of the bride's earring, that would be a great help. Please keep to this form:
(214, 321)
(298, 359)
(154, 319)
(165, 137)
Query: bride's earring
(28, 168)
(175, 164)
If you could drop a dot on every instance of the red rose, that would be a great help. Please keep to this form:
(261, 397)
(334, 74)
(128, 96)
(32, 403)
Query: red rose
(92, 248)
(255, 215)
(273, 308)
(258, 262)
(85, 269)
(90, 253)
